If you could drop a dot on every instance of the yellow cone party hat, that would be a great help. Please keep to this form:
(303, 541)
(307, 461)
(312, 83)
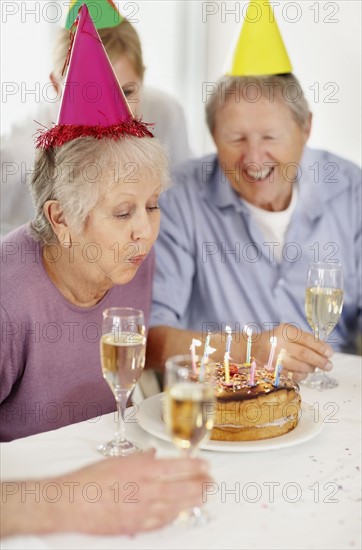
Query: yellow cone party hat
(260, 48)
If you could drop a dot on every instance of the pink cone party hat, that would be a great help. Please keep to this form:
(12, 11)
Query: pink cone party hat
(93, 103)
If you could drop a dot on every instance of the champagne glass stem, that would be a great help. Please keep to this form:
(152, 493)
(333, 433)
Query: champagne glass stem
(319, 379)
(121, 400)
(316, 339)
(320, 335)
(194, 516)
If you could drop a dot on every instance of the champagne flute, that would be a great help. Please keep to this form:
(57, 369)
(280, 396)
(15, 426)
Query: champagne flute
(323, 307)
(189, 414)
(122, 350)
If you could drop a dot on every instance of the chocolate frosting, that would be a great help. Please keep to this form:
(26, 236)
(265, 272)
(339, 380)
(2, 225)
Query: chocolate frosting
(239, 388)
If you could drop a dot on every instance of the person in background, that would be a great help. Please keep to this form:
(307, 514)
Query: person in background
(123, 46)
(240, 227)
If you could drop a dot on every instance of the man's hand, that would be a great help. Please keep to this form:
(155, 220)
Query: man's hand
(303, 355)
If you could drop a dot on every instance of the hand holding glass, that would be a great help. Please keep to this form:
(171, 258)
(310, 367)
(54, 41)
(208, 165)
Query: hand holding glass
(122, 351)
(323, 307)
(189, 414)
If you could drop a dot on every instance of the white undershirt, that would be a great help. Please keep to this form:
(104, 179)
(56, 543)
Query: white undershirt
(274, 225)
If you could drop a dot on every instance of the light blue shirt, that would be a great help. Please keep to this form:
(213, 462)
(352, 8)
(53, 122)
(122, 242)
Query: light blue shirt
(215, 268)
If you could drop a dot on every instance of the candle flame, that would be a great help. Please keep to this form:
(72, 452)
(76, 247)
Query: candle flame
(249, 331)
(273, 340)
(228, 329)
(196, 342)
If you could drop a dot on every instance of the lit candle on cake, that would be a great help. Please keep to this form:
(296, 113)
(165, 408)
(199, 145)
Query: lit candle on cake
(207, 344)
(228, 339)
(279, 366)
(204, 362)
(273, 342)
(194, 343)
(249, 332)
(226, 367)
(252, 373)
(207, 351)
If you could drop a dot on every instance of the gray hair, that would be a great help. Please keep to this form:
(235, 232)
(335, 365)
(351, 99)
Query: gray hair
(284, 87)
(71, 174)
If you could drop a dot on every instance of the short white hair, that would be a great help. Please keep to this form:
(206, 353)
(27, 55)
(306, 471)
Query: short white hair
(284, 87)
(71, 174)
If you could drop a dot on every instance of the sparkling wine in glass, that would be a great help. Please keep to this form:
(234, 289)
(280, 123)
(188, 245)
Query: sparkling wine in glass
(122, 350)
(189, 415)
(323, 307)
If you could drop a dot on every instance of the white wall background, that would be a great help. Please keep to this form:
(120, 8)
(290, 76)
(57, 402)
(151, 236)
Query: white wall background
(186, 43)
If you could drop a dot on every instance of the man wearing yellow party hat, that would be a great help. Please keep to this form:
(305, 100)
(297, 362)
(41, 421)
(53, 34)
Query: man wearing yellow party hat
(239, 230)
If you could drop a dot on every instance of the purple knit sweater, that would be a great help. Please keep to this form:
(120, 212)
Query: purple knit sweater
(50, 373)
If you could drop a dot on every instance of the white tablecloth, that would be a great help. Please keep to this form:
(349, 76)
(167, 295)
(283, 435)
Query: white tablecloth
(317, 490)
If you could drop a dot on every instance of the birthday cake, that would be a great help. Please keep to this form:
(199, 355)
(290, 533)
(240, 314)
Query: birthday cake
(248, 412)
